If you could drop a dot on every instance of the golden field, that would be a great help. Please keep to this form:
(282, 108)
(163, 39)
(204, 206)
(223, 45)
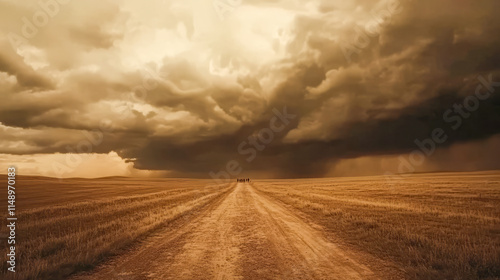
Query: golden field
(433, 226)
(425, 226)
(72, 224)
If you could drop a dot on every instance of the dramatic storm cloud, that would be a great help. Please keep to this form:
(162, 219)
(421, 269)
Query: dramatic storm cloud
(263, 88)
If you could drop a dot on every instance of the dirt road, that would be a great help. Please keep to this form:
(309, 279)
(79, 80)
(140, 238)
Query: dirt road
(244, 235)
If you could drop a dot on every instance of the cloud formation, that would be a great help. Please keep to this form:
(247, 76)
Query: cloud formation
(180, 89)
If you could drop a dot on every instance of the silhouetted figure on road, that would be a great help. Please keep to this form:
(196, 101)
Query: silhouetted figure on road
(242, 180)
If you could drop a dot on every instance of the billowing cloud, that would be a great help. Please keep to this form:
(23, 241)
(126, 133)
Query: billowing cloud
(190, 88)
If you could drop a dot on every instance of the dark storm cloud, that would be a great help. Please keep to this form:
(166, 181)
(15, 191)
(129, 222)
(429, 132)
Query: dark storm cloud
(309, 158)
(175, 114)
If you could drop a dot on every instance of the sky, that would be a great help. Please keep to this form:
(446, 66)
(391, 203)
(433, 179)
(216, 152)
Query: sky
(249, 88)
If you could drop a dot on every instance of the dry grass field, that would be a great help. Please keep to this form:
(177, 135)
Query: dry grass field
(433, 226)
(427, 226)
(70, 225)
